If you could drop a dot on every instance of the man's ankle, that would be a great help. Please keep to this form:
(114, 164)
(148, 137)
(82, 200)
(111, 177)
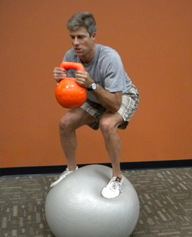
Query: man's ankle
(72, 168)
(118, 178)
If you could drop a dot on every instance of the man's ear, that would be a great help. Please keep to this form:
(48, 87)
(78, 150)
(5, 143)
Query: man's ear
(94, 35)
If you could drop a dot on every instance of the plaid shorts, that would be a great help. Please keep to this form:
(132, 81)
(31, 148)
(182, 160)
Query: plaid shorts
(129, 105)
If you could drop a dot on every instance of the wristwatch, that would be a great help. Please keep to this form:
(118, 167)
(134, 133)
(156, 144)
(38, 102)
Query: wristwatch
(93, 87)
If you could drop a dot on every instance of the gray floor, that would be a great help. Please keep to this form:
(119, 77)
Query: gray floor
(165, 199)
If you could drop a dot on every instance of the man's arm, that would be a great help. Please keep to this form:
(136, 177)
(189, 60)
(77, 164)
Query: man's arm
(110, 101)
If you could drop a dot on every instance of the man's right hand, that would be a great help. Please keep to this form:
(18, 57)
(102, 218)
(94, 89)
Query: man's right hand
(59, 74)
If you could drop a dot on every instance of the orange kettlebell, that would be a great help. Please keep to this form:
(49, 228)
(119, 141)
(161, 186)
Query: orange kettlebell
(69, 93)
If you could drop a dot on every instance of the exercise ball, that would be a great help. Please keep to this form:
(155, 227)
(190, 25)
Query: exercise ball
(75, 207)
(68, 93)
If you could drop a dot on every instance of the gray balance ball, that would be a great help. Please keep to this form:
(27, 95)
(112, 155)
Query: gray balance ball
(75, 207)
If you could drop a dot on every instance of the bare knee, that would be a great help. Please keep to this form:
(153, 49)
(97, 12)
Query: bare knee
(74, 119)
(65, 124)
(106, 125)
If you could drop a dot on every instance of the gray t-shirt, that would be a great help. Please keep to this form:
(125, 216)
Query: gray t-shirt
(106, 69)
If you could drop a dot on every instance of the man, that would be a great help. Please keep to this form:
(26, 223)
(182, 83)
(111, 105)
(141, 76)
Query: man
(112, 98)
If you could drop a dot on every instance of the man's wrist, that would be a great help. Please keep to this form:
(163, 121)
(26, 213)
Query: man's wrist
(93, 87)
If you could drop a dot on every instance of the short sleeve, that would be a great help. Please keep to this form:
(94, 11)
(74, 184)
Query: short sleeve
(114, 74)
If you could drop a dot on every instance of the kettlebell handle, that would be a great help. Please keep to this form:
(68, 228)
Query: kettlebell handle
(74, 66)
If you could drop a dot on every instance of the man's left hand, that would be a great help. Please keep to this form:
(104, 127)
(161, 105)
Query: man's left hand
(83, 79)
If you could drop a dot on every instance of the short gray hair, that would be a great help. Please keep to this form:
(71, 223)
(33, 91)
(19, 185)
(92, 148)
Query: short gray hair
(82, 19)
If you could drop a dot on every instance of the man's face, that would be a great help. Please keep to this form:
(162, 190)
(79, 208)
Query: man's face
(82, 42)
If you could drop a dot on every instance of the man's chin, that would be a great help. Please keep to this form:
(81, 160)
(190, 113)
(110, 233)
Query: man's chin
(79, 53)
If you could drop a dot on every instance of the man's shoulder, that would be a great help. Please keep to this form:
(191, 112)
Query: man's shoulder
(107, 54)
(70, 52)
(106, 49)
(70, 56)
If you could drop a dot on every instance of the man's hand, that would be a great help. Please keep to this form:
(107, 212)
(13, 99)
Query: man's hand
(59, 74)
(83, 79)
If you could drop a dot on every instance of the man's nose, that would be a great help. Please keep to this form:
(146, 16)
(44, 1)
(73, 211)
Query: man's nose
(76, 41)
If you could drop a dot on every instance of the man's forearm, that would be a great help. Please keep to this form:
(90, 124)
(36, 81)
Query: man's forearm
(110, 101)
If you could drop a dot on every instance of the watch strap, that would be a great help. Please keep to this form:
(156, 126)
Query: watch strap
(91, 89)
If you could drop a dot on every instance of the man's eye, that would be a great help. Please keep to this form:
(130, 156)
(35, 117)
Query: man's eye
(81, 37)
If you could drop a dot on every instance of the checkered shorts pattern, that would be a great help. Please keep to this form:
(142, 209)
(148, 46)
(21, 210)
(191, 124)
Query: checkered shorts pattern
(129, 105)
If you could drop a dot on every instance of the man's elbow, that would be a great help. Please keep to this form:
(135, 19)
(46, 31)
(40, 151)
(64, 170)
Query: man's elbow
(114, 108)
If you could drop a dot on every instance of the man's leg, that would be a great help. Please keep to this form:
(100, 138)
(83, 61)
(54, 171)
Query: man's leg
(108, 125)
(74, 119)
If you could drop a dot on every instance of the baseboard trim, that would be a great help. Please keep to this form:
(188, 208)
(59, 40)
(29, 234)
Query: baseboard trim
(124, 166)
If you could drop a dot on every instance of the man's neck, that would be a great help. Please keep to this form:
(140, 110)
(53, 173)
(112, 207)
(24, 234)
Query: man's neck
(88, 58)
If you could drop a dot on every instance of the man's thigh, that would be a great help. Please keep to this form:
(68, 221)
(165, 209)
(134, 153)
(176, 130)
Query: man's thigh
(77, 118)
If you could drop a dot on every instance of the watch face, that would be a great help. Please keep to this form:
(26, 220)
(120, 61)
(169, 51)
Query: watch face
(94, 86)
